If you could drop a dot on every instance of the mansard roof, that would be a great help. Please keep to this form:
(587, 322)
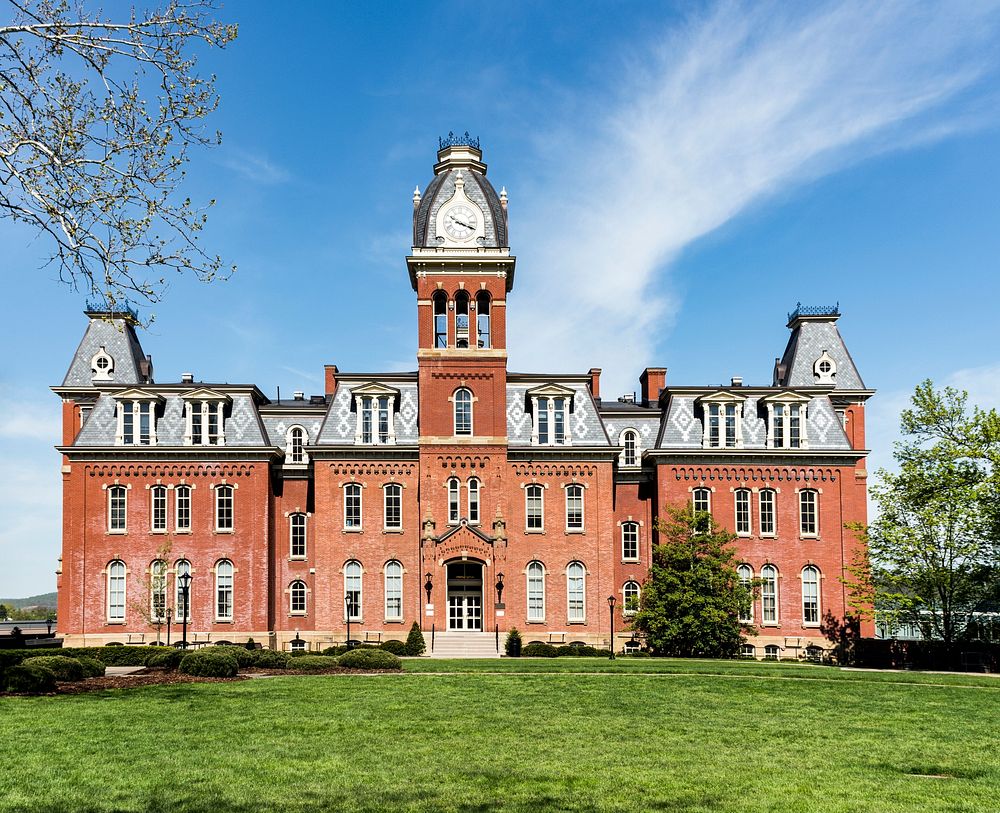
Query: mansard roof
(814, 332)
(116, 334)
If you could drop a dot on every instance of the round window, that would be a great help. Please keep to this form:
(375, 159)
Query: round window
(825, 367)
(103, 362)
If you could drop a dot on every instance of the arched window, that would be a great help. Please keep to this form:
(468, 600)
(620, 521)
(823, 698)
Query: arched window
(536, 591)
(440, 319)
(748, 651)
(352, 507)
(297, 645)
(772, 652)
(701, 501)
(534, 512)
(116, 591)
(461, 319)
(576, 577)
(767, 522)
(769, 594)
(297, 535)
(483, 318)
(743, 526)
(117, 509)
(630, 541)
(473, 486)
(295, 442)
(181, 567)
(463, 412)
(352, 590)
(574, 507)
(158, 590)
(393, 591)
(630, 440)
(808, 517)
(158, 509)
(224, 590)
(182, 508)
(745, 573)
(224, 508)
(454, 500)
(297, 597)
(630, 594)
(810, 595)
(393, 509)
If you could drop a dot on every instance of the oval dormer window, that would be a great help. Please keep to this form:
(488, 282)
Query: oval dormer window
(825, 369)
(102, 365)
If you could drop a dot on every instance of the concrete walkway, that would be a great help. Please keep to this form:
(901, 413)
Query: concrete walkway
(113, 671)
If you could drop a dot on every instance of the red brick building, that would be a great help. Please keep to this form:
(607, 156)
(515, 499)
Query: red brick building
(462, 495)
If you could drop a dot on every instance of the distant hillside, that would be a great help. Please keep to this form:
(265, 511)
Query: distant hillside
(43, 600)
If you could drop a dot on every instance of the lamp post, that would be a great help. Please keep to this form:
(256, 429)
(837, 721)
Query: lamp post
(170, 615)
(185, 580)
(48, 625)
(611, 606)
(347, 609)
(499, 586)
(428, 586)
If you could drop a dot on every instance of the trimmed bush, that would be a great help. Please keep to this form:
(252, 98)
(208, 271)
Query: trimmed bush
(30, 678)
(513, 644)
(314, 663)
(65, 669)
(91, 667)
(334, 651)
(213, 662)
(369, 659)
(537, 649)
(270, 659)
(244, 657)
(169, 659)
(415, 644)
(395, 647)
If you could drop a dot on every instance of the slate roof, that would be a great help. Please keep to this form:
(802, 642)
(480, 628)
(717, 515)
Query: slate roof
(440, 190)
(586, 428)
(118, 338)
(806, 344)
(341, 421)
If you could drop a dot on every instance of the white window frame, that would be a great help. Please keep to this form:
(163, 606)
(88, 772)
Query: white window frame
(351, 491)
(113, 527)
(298, 586)
(393, 491)
(354, 576)
(295, 449)
(130, 413)
(627, 527)
(627, 593)
(576, 615)
(546, 405)
(474, 500)
(225, 590)
(393, 590)
(579, 489)
(629, 457)
(819, 604)
(537, 592)
(298, 525)
(207, 407)
(745, 528)
(224, 492)
(157, 590)
(117, 585)
(769, 578)
(771, 512)
(745, 574)
(183, 492)
(716, 421)
(813, 508)
(181, 566)
(158, 493)
(528, 489)
(454, 487)
(463, 397)
(779, 428)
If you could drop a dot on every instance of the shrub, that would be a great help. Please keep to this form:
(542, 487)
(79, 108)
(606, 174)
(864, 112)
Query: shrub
(214, 662)
(91, 667)
(250, 644)
(334, 651)
(30, 678)
(513, 643)
(169, 659)
(369, 659)
(65, 669)
(244, 657)
(270, 659)
(415, 644)
(567, 651)
(313, 663)
(536, 649)
(395, 647)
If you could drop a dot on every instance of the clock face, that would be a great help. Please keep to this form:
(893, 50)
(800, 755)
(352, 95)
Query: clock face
(460, 222)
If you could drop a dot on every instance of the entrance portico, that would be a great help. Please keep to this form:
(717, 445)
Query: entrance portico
(465, 596)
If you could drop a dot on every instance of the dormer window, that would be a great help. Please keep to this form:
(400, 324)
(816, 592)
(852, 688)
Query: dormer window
(376, 409)
(723, 427)
(551, 407)
(630, 446)
(295, 442)
(825, 369)
(787, 421)
(102, 365)
(136, 413)
(205, 418)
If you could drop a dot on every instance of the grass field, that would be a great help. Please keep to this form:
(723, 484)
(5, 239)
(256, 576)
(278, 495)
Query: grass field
(524, 735)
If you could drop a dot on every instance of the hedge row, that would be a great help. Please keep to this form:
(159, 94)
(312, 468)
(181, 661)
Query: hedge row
(537, 649)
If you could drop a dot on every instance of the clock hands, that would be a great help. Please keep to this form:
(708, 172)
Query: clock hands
(461, 223)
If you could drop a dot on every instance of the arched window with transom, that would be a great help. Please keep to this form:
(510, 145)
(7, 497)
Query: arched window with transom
(352, 590)
(440, 319)
(810, 596)
(463, 411)
(295, 443)
(630, 444)
(576, 592)
(116, 591)
(462, 319)
(297, 597)
(536, 591)
(393, 591)
(483, 319)
(224, 591)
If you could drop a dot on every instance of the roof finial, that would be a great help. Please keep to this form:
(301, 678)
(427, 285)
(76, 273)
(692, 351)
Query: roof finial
(416, 196)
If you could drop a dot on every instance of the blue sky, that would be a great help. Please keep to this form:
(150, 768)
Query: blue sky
(679, 176)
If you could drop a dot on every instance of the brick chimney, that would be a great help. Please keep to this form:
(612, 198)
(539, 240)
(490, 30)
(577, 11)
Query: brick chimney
(652, 381)
(331, 378)
(595, 382)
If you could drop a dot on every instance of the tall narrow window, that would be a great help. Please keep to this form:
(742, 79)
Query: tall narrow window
(440, 319)
(454, 500)
(629, 441)
(352, 590)
(116, 591)
(224, 591)
(483, 319)
(158, 590)
(533, 508)
(474, 486)
(536, 591)
(224, 508)
(574, 507)
(117, 505)
(367, 420)
(297, 534)
(463, 412)
(158, 508)
(808, 525)
(461, 319)
(778, 426)
(701, 499)
(559, 420)
(393, 507)
(297, 597)
(630, 595)
(383, 419)
(352, 507)
(575, 592)
(182, 508)
(810, 595)
(794, 426)
(769, 594)
(714, 429)
(745, 573)
(743, 511)
(730, 416)
(181, 567)
(630, 541)
(296, 445)
(767, 527)
(393, 591)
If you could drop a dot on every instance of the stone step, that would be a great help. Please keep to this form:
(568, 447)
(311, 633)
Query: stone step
(463, 645)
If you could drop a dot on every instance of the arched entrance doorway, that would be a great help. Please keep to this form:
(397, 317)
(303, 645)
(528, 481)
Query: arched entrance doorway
(465, 596)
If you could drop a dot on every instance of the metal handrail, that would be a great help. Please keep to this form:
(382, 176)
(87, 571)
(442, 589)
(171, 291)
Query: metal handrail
(496, 627)
(432, 637)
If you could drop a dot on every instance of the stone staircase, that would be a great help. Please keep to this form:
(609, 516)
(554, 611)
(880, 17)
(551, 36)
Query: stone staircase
(463, 645)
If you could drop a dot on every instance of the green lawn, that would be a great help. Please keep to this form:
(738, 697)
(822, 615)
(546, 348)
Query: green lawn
(652, 735)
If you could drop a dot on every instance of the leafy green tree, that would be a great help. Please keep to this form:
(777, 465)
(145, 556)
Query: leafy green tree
(691, 602)
(97, 118)
(933, 550)
(4, 612)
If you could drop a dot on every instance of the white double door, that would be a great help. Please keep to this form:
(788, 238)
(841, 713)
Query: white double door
(465, 611)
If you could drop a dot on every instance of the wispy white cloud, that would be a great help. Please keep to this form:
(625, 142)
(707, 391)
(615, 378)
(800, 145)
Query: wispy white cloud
(31, 420)
(312, 378)
(253, 166)
(706, 121)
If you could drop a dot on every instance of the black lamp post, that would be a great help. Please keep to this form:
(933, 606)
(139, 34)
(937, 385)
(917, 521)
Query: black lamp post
(428, 586)
(170, 615)
(347, 608)
(48, 625)
(499, 586)
(611, 606)
(185, 580)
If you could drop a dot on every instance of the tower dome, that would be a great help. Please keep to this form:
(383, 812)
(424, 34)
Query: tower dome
(460, 208)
